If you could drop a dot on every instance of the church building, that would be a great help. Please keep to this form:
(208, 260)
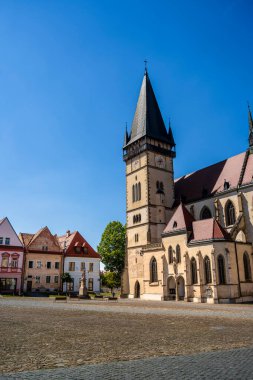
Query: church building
(188, 238)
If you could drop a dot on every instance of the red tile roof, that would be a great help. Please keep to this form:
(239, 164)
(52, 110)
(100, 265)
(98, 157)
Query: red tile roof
(181, 220)
(75, 239)
(210, 180)
(208, 229)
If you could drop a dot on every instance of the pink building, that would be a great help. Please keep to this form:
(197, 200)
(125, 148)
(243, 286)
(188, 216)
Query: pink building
(11, 259)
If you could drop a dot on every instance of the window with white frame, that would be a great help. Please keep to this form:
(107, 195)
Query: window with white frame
(71, 266)
(48, 279)
(90, 284)
(39, 264)
(90, 267)
(14, 262)
(37, 279)
(5, 261)
(56, 279)
(82, 266)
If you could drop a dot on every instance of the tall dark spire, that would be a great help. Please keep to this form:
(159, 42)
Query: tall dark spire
(250, 127)
(148, 120)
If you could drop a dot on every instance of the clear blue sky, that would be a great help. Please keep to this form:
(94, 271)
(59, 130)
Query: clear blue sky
(70, 74)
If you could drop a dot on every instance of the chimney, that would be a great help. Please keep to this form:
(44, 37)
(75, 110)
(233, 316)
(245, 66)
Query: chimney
(67, 233)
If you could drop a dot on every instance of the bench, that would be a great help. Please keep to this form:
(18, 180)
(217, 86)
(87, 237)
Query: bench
(60, 298)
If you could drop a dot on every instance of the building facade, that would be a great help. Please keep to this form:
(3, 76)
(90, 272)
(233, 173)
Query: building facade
(43, 261)
(11, 259)
(191, 238)
(79, 256)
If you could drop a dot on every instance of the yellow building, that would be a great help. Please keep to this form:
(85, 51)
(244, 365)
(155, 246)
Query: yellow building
(191, 238)
(43, 261)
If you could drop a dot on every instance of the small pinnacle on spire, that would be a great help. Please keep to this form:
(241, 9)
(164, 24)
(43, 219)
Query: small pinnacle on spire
(126, 137)
(250, 127)
(146, 65)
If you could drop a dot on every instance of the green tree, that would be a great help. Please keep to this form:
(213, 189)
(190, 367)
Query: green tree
(66, 277)
(110, 280)
(112, 247)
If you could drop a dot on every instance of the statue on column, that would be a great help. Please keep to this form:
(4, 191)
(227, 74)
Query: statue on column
(83, 293)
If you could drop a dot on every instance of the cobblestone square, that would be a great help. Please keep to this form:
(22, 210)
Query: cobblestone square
(38, 334)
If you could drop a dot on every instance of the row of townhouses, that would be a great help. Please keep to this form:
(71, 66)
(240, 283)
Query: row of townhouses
(36, 262)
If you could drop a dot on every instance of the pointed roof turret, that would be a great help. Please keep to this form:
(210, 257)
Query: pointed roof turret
(148, 120)
(170, 136)
(250, 127)
(126, 137)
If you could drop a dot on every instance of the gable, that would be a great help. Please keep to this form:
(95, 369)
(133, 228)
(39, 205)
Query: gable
(44, 238)
(7, 231)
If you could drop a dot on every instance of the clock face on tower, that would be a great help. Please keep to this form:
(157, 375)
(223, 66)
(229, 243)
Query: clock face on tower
(136, 164)
(160, 162)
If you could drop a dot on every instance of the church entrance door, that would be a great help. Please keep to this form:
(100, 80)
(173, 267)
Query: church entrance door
(171, 286)
(137, 290)
(181, 288)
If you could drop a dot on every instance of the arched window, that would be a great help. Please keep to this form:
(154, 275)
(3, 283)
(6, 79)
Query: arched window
(178, 254)
(139, 191)
(207, 270)
(170, 255)
(221, 270)
(247, 267)
(194, 271)
(230, 213)
(136, 192)
(133, 193)
(205, 213)
(153, 270)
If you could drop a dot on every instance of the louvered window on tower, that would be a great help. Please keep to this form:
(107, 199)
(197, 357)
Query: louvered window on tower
(136, 192)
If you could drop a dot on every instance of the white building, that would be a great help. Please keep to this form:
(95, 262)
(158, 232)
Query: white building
(80, 256)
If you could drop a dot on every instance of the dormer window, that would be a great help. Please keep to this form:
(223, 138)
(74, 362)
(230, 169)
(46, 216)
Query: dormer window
(7, 241)
(45, 248)
(78, 249)
(226, 185)
(1, 240)
(175, 224)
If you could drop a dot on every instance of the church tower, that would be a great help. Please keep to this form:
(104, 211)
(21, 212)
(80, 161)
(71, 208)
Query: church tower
(148, 152)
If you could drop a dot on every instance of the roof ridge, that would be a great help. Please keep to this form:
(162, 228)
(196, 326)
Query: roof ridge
(208, 166)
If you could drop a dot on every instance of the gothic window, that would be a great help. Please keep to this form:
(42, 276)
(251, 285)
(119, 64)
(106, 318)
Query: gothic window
(205, 213)
(133, 193)
(178, 254)
(230, 213)
(207, 270)
(221, 270)
(247, 267)
(170, 255)
(175, 224)
(194, 271)
(139, 191)
(153, 270)
(159, 187)
(134, 219)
